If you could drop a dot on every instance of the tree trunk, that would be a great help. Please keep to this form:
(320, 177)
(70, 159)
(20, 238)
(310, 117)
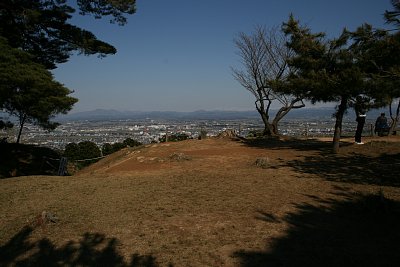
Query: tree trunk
(274, 126)
(283, 111)
(338, 124)
(279, 115)
(267, 126)
(21, 126)
(265, 118)
(394, 119)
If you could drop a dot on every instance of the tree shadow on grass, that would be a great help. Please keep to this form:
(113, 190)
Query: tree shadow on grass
(92, 250)
(383, 169)
(362, 230)
(376, 163)
(276, 143)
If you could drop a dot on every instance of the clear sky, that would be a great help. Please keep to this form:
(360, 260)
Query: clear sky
(176, 55)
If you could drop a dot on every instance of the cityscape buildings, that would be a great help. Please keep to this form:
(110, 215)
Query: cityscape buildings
(148, 130)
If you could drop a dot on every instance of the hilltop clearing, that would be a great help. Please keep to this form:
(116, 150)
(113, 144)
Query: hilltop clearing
(207, 203)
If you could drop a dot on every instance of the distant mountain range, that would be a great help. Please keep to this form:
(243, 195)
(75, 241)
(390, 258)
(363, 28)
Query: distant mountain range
(110, 114)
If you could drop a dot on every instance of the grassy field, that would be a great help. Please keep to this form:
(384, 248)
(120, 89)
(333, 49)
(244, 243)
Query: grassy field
(206, 203)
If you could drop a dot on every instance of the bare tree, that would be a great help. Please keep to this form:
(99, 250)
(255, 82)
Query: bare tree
(264, 56)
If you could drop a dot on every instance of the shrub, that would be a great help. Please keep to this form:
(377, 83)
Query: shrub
(255, 134)
(72, 151)
(175, 137)
(262, 162)
(203, 134)
(131, 143)
(81, 152)
(118, 146)
(108, 149)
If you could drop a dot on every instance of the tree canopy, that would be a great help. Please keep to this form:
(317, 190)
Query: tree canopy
(35, 36)
(357, 65)
(28, 90)
(393, 16)
(327, 70)
(379, 54)
(42, 28)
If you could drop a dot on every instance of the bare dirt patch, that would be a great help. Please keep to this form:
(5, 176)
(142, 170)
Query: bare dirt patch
(140, 208)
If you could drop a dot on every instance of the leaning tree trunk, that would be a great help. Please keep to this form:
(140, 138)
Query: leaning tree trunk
(21, 126)
(279, 115)
(283, 111)
(338, 124)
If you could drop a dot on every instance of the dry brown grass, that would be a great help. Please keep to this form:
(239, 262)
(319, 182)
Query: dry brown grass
(217, 209)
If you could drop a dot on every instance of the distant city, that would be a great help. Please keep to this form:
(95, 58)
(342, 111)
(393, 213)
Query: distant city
(111, 126)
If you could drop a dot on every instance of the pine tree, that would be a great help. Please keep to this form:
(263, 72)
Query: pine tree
(42, 28)
(29, 91)
(327, 70)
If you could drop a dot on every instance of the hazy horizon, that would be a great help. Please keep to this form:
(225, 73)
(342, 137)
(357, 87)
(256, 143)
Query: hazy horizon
(251, 109)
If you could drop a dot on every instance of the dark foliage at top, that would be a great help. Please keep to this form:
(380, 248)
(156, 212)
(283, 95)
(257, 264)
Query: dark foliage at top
(42, 28)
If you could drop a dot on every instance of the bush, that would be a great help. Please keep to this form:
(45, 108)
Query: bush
(203, 134)
(89, 150)
(82, 151)
(108, 149)
(175, 137)
(72, 151)
(255, 134)
(131, 143)
(118, 146)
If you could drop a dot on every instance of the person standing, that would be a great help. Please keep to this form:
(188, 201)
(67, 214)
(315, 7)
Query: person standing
(381, 125)
(361, 114)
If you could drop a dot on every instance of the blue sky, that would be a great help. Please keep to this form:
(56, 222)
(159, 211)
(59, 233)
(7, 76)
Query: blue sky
(177, 55)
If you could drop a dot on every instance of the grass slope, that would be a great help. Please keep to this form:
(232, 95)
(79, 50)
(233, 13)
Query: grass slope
(212, 206)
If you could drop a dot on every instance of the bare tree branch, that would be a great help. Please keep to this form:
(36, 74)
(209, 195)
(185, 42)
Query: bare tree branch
(264, 58)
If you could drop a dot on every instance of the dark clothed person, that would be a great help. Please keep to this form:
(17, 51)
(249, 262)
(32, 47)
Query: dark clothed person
(381, 125)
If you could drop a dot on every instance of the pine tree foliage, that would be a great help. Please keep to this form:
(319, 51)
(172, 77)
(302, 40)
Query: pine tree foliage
(327, 70)
(29, 91)
(393, 16)
(35, 36)
(42, 27)
(357, 65)
(378, 51)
